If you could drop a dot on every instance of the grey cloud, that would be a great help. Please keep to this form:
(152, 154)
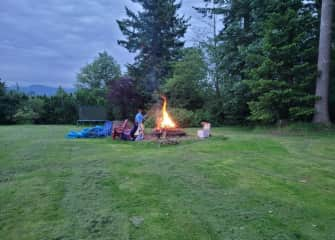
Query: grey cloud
(47, 42)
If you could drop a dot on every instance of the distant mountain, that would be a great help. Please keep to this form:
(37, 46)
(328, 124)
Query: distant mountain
(40, 90)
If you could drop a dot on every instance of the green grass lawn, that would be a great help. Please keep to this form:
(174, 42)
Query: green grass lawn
(240, 184)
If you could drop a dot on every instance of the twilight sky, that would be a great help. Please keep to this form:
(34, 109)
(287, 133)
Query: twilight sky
(47, 42)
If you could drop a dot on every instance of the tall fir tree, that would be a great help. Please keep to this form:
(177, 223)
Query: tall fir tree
(241, 28)
(267, 51)
(282, 82)
(155, 33)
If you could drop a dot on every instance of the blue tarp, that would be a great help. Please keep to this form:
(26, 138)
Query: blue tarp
(93, 132)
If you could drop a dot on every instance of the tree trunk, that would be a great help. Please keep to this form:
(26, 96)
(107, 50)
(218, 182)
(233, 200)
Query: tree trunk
(322, 84)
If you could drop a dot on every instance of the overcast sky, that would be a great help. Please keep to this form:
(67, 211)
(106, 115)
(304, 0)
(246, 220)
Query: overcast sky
(48, 41)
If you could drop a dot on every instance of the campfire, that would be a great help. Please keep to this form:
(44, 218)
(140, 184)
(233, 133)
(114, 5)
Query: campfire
(165, 126)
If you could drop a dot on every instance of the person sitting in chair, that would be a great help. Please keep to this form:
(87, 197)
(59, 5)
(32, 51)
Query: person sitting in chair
(139, 118)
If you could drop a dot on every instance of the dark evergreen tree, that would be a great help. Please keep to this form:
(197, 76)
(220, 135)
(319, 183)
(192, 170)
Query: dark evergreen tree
(267, 50)
(155, 34)
(60, 108)
(241, 28)
(283, 82)
(9, 103)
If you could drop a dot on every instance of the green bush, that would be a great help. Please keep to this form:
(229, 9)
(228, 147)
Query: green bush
(184, 118)
(25, 114)
(202, 115)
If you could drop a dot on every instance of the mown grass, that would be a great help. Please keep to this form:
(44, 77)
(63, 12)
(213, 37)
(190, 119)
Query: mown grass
(239, 184)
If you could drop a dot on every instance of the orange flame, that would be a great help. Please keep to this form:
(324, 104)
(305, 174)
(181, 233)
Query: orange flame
(165, 121)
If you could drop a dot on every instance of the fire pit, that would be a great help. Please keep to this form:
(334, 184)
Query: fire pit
(165, 126)
(167, 132)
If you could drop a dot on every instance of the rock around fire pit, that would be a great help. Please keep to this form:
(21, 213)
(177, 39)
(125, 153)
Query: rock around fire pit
(169, 132)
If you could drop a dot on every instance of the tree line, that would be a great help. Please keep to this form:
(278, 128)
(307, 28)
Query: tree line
(263, 62)
(17, 107)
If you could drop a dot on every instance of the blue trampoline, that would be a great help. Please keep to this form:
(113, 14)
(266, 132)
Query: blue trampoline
(93, 132)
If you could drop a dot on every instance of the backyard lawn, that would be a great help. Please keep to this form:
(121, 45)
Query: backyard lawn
(239, 184)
